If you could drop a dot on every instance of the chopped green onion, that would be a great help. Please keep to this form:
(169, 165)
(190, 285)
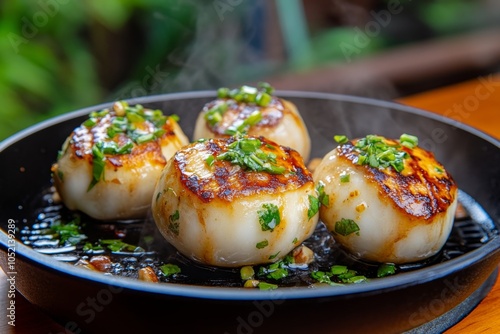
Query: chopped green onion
(345, 178)
(117, 245)
(263, 99)
(210, 160)
(223, 92)
(408, 140)
(386, 269)
(267, 286)
(170, 269)
(341, 139)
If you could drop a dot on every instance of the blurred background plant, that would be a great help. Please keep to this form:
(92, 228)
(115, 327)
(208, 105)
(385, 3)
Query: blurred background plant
(59, 55)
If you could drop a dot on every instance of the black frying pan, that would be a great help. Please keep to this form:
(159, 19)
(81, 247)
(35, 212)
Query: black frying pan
(430, 298)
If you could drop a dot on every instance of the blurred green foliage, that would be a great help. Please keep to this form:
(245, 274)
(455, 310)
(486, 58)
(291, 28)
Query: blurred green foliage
(60, 55)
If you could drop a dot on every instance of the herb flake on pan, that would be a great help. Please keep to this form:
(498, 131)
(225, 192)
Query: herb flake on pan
(170, 269)
(69, 232)
(117, 245)
(346, 227)
(338, 275)
(386, 269)
(269, 217)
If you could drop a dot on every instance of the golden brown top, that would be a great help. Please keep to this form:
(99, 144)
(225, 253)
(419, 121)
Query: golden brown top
(423, 188)
(226, 168)
(237, 114)
(124, 141)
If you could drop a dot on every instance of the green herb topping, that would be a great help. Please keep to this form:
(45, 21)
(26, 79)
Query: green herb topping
(261, 95)
(345, 178)
(69, 232)
(346, 227)
(262, 244)
(338, 275)
(323, 198)
(376, 152)
(267, 286)
(246, 152)
(243, 125)
(170, 269)
(313, 206)
(341, 139)
(124, 121)
(117, 245)
(269, 217)
(174, 224)
(386, 269)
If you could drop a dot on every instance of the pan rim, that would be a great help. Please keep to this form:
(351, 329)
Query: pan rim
(399, 281)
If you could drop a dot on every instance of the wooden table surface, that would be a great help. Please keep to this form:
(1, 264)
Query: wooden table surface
(475, 102)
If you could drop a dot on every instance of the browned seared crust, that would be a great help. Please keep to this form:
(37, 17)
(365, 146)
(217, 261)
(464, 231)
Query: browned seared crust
(228, 181)
(271, 114)
(82, 139)
(419, 190)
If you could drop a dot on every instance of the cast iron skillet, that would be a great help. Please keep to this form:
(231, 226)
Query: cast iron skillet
(86, 301)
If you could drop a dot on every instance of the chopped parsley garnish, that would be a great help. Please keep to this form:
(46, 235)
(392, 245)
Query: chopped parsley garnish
(98, 164)
(170, 269)
(323, 198)
(313, 206)
(174, 222)
(346, 227)
(438, 169)
(88, 247)
(69, 232)
(262, 244)
(269, 217)
(386, 269)
(246, 152)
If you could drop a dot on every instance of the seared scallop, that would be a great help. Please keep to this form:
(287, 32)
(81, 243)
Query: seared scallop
(257, 112)
(386, 200)
(235, 201)
(108, 166)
